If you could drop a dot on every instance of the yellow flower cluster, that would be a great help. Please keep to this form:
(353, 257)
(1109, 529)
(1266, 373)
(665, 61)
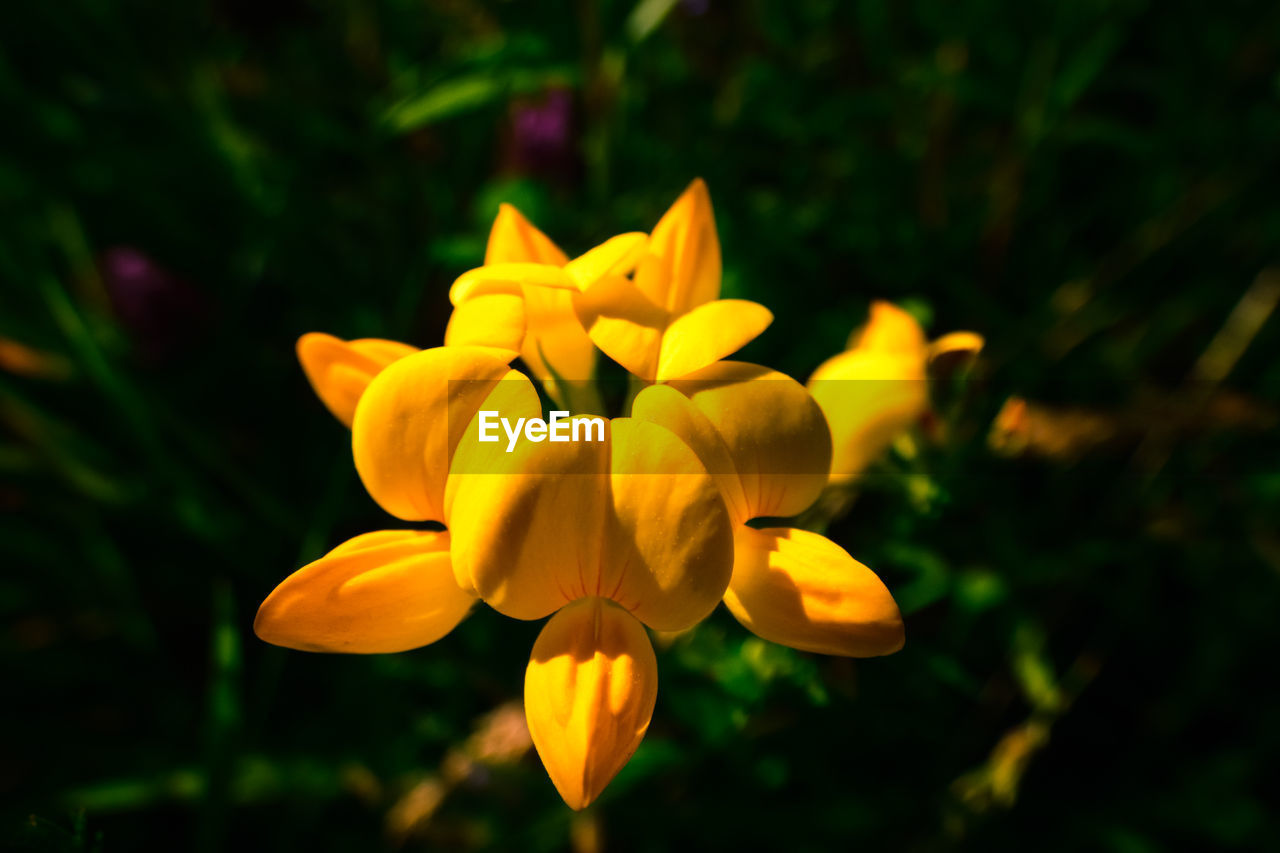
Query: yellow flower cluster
(650, 527)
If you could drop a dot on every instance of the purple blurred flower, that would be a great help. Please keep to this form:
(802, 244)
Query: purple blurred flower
(542, 132)
(163, 313)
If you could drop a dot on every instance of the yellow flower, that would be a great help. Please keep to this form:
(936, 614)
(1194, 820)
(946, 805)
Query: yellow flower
(339, 370)
(877, 389)
(764, 439)
(609, 536)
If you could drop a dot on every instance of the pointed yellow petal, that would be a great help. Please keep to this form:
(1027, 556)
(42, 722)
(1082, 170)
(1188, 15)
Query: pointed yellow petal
(708, 333)
(802, 590)
(668, 542)
(681, 266)
(889, 329)
(387, 591)
(869, 398)
(616, 256)
(774, 431)
(589, 694)
(410, 420)
(339, 370)
(623, 323)
(967, 343)
(514, 239)
(507, 278)
(494, 320)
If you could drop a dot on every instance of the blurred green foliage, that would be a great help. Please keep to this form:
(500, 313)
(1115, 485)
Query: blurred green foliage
(1091, 635)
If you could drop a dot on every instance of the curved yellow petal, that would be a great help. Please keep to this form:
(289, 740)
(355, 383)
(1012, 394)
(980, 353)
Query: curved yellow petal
(410, 420)
(634, 518)
(889, 329)
(802, 590)
(773, 430)
(494, 320)
(668, 544)
(869, 398)
(556, 345)
(623, 323)
(514, 239)
(589, 694)
(387, 591)
(509, 278)
(615, 256)
(680, 269)
(708, 333)
(339, 370)
(963, 343)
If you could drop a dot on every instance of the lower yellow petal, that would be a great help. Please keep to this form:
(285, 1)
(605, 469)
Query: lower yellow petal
(387, 591)
(494, 320)
(339, 370)
(623, 323)
(589, 694)
(708, 333)
(802, 590)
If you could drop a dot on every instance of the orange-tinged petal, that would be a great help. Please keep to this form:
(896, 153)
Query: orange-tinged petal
(802, 590)
(412, 417)
(509, 278)
(623, 323)
(773, 430)
(869, 398)
(589, 694)
(387, 591)
(339, 370)
(889, 329)
(494, 320)
(513, 238)
(680, 269)
(616, 256)
(634, 518)
(708, 333)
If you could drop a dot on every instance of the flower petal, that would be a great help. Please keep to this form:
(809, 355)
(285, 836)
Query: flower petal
(589, 694)
(708, 333)
(514, 239)
(558, 350)
(802, 590)
(387, 591)
(889, 329)
(507, 278)
(668, 540)
(681, 266)
(869, 398)
(623, 323)
(774, 431)
(339, 370)
(960, 343)
(412, 417)
(615, 256)
(494, 320)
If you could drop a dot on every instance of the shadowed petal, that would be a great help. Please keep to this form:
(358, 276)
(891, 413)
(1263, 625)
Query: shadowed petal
(615, 256)
(802, 590)
(339, 370)
(410, 420)
(774, 432)
(589, 694)
(386, 591)
(623, 323)
(708, 333)
(514, 239)
(507, 278)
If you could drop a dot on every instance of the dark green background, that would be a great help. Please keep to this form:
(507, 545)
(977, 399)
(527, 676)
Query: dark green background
(1092, 185)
